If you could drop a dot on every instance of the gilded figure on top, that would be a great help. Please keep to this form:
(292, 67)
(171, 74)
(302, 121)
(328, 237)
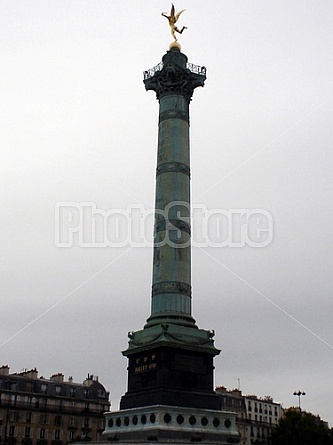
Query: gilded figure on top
(172, 18)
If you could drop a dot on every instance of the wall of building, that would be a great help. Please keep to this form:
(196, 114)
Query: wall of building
(256, 416)
(39, 411)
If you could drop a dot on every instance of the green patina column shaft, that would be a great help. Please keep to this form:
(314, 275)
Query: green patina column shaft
(173, 81)
(171, 291)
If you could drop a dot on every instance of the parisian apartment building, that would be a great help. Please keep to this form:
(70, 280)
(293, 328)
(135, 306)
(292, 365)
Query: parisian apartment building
(39, 411)
(256, 416)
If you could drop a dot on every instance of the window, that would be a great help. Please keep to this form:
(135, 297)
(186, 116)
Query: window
(58, 420)
(28, 416)
(72, 421)
(86, 393)
(71, 435)
(86, 422)
(42, 433)
(43, 388)
(27, 432)
(28, 401)
(43, 419)
(59, 404)
(58, 390)
(29, 387)
(13, 416)
(12, 431)
(57, 434)
(72, 392)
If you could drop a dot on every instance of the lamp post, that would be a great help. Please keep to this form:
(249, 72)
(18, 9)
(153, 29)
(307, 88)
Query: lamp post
(299, 394)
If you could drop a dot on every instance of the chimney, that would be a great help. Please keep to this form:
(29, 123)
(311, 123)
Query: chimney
(88, 381)
(221, 389)
(58, 378)
(236, 392)
(32, 374)
(4, 370)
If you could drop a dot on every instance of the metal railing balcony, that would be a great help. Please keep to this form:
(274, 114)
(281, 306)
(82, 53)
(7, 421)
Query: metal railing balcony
(196, 69)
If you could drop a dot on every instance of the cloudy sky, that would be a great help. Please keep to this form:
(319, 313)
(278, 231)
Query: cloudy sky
(77, 126)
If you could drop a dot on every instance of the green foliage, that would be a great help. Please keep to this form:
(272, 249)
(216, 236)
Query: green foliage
(301, 428)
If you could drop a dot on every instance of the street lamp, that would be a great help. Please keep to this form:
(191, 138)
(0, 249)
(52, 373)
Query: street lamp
(299, 394)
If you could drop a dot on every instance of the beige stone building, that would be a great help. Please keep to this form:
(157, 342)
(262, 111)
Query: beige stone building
(256, 416)
(39, 411)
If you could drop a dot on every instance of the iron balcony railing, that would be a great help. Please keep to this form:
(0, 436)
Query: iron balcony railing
(196, 69)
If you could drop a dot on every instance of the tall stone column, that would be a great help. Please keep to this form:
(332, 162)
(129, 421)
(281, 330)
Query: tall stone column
(170, 395)
(171, 290)
(171, 359)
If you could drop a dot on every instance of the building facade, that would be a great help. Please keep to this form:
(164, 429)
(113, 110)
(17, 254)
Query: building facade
(256, 416)
(39, 411)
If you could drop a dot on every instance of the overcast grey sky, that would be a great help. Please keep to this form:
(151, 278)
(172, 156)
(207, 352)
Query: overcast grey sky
(76, 125)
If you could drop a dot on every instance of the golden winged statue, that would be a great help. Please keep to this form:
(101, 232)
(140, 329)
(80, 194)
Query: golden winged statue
(172, 18)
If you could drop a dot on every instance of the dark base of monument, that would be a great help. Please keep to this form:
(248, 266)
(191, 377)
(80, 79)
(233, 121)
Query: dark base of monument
(171, 398)
(170, 376)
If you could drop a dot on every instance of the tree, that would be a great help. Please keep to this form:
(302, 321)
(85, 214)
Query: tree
(301, 428)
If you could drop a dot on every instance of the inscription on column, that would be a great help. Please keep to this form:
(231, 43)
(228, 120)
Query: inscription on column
(145, 363)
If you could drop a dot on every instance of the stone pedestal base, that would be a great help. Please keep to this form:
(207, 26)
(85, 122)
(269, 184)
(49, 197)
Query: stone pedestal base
(165, 424)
